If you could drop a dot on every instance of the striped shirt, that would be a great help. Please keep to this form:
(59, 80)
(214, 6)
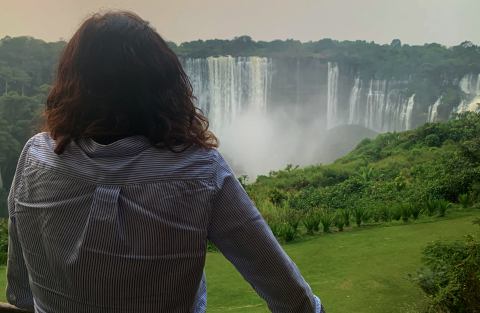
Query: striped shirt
(123, 227)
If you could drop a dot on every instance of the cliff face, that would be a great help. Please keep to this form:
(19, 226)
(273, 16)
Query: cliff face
(328, 94)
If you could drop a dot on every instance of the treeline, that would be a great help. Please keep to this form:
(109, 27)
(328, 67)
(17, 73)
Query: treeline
(26, 70)
(369, 58)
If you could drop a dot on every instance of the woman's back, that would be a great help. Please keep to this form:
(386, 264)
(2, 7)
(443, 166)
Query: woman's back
(102, 225)
(123, 227)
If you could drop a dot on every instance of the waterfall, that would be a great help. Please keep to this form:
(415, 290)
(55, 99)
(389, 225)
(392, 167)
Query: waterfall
(375, 110)
(409, 112)
(433, 111)
(354, 110)
(470, 85)
(332, 95)
(226, 86)
(382, 107)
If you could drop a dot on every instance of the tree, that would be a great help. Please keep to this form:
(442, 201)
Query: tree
(396, 43)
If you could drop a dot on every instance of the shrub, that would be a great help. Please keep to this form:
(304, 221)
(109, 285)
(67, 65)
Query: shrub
(377, 215)
(430, 206)
(464, 200)
(415, 210)
(451, 275)
(360, 214)
(287, 232)
(405, 212)
(396, 213)
(275, 226)
(277, 197)
(346, 216)
(385, 214)
(432, 140)
(442, 206)
(293, 218)
(326, 218)
(340, 219)
(311, 221)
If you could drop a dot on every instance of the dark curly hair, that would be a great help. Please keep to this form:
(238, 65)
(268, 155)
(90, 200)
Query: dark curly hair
(117, 78)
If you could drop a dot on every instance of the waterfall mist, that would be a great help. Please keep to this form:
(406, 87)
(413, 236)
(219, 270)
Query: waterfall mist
(258, 143)
(270, 112)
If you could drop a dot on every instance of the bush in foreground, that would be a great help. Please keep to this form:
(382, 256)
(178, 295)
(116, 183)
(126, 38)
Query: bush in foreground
(451, 275)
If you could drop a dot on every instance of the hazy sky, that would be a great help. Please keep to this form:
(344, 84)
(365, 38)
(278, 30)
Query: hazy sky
(413, 21)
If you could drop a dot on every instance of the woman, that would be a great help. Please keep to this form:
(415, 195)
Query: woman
(112, 206)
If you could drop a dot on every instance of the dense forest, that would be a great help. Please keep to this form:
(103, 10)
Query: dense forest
(27, 68)
(383, 61)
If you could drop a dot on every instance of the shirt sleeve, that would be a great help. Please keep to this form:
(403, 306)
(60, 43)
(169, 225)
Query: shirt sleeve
(242, 235)
(18, 290)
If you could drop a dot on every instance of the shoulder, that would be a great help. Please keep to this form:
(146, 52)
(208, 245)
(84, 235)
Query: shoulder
(40, 139)
(35, 140)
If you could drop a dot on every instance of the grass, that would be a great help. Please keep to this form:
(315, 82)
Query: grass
(364, 270)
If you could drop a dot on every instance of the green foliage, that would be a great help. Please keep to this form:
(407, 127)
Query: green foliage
(277, 197)
(415, 210)
(293, 218)
(211, 247)
(405, 211)
(340, 219)
(385, 213)
(286, 232)
(465, 200)
(432, 140)
(311, 221)
(396, 213)
(346, 214)
(360, 214)
(3, 240)
(442, 206)
(451, 275)
(430, 206)
(327, 219)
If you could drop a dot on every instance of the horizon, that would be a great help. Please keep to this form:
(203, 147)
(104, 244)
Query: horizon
(302, 42)
(415, 22)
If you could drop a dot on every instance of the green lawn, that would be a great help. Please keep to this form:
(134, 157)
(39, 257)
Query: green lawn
(358, 271)
(364, 270)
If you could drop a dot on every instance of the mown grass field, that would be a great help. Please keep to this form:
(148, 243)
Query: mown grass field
(363, 270)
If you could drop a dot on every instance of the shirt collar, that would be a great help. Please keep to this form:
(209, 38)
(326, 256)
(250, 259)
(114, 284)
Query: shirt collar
(127, 146)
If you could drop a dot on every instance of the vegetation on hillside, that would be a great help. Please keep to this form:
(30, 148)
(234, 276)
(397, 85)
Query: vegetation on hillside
(396, 176)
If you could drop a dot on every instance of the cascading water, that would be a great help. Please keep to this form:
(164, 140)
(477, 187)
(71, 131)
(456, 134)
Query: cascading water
(381, 107)
(332, 96)
(433, 111)
(353, 112)
(409, 112)
(470, 85)
(226, 86)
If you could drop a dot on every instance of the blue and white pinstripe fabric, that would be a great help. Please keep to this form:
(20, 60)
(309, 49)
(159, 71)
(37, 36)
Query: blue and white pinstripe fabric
(124, 227)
